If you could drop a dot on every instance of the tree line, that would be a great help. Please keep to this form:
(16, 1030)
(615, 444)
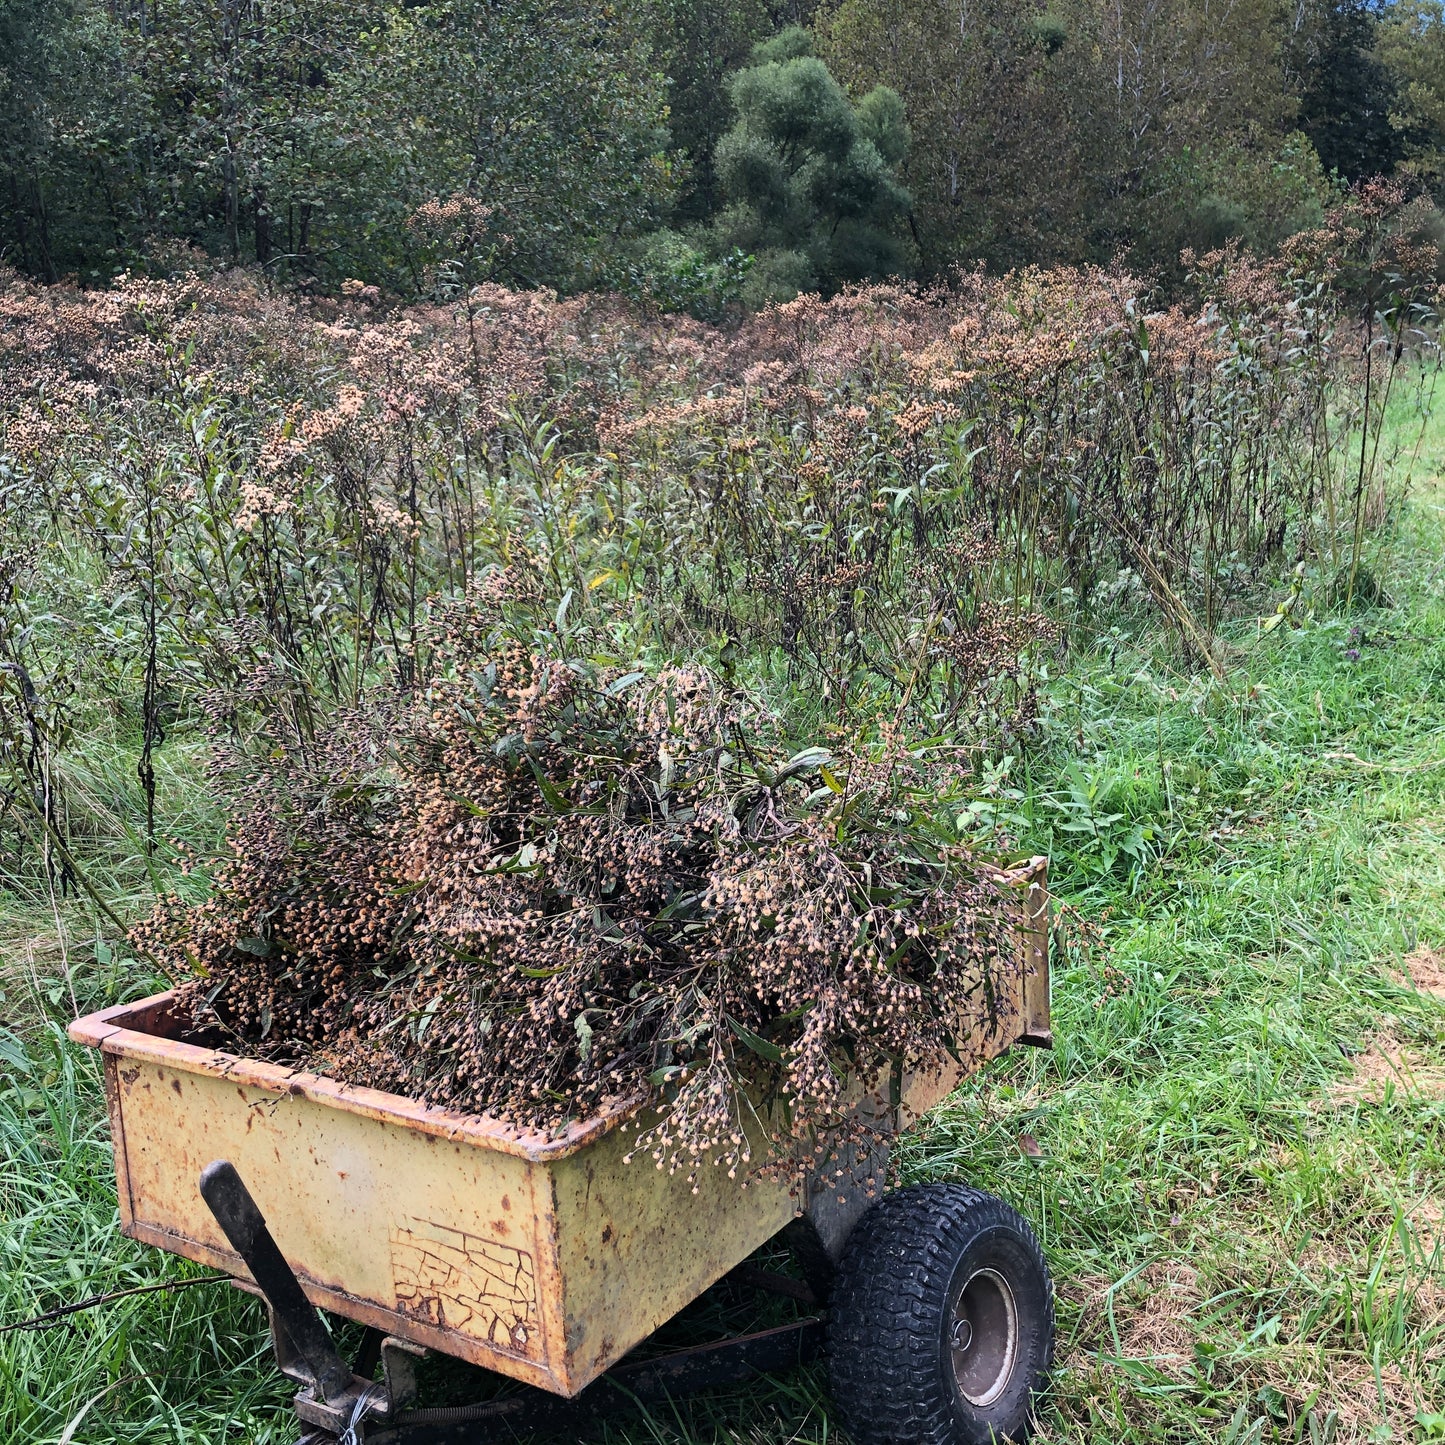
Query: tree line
(703, 152)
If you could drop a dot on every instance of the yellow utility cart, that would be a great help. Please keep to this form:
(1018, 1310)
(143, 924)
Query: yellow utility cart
(550, 1259)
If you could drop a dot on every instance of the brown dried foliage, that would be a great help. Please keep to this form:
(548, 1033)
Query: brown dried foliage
(539, 888)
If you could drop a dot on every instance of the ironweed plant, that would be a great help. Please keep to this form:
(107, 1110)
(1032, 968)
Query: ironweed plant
(891, 490)
(882, 513)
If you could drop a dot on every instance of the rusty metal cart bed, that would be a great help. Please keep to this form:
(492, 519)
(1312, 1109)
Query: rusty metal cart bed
(549, 1259)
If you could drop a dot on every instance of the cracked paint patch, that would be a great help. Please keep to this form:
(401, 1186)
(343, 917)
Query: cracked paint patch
(463, 1282)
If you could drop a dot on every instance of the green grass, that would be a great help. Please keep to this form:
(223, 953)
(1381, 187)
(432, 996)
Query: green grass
(1242, 1126)
(1238, 1227)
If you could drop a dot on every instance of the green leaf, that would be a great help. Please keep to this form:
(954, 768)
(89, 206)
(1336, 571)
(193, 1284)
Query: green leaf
(555, 799)
(897, 954)
(12, 1053)
(684, 905)
(762, 1047)
(604, 924)
(813, 757)
(807, 761)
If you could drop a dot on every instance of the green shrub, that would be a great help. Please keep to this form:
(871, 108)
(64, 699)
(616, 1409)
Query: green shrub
(809, 177)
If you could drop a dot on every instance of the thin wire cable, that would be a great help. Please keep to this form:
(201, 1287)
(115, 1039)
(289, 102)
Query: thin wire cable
(53, 1317)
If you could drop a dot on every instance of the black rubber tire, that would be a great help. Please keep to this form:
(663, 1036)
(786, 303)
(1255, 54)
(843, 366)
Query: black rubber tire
(889, 1329)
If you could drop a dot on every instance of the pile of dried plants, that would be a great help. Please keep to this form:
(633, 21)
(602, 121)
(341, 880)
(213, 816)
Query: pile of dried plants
(544, 884)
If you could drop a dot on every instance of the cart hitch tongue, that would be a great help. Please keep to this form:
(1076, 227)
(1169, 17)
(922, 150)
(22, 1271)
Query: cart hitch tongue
(230, 1201)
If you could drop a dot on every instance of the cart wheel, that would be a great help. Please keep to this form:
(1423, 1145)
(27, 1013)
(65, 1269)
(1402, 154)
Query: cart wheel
(942, 1322)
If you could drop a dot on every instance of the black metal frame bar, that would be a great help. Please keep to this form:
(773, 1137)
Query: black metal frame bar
(684, 1372)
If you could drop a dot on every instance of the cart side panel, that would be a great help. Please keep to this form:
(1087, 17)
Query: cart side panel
(924, 1088)
(434, 1240)
(637, 1244)
(1020, 1011)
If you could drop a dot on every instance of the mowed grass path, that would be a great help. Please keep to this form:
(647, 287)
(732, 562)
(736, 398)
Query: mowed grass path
(1234, 1154)
(1241, 1130)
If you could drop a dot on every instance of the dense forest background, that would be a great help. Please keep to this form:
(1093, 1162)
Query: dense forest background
(703, 152)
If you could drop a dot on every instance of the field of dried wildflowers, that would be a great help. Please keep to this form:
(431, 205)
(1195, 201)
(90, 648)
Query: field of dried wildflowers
(1134, 589)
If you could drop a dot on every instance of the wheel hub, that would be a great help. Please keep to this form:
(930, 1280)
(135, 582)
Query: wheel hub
(984, 1337)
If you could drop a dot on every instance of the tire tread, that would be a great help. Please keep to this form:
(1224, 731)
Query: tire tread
(887, 1380)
